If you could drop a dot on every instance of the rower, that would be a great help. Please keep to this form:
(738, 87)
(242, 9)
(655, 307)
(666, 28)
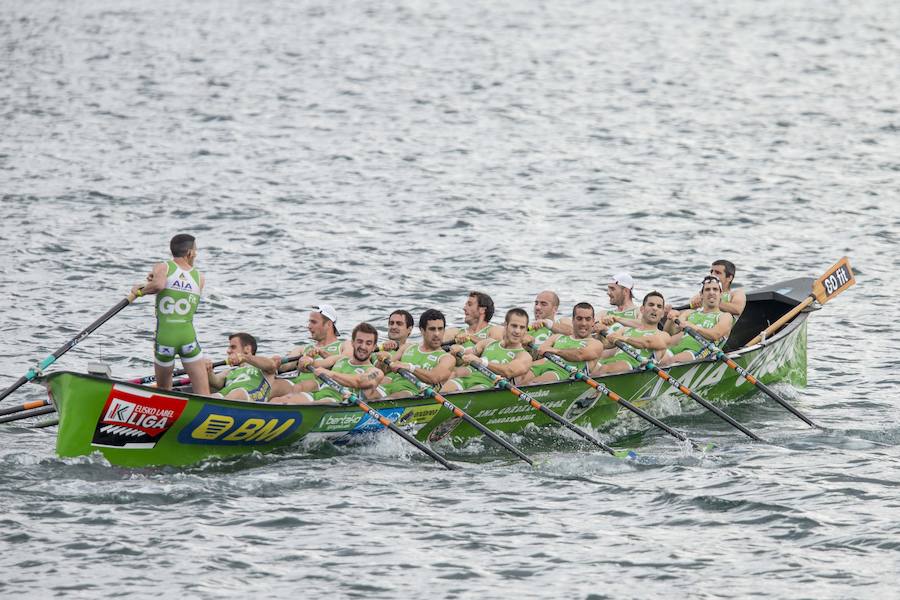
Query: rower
(733, 300)
(478, 311)
(505, 357)
(620, 291)
(250, 379)
(322, 327)
(546, 304)
(565, 345)
(428, 361)
(355, 371)
(645, 336)
(707, 320)
(177, 285)
(400, 324)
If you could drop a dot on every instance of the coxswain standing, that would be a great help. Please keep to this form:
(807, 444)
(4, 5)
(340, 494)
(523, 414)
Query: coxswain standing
(177, 285)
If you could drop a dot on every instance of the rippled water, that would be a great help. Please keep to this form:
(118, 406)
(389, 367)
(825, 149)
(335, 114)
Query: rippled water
(382, 155)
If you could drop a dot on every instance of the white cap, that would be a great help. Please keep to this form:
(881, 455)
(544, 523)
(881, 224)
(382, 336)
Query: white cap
(327, 311)
(623, 279)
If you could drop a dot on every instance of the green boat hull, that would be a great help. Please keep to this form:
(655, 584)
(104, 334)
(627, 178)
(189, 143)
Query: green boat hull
(135, 425)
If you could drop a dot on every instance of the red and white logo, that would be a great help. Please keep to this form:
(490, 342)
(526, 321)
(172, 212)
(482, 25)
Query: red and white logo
(134, 418)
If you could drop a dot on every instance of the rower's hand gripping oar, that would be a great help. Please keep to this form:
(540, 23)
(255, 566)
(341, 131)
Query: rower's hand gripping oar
(503, 383)
(428, 391)
(350, 396)
(603, 389)
(720, 355)
(35, 372)
(835, 280)
(650, 365)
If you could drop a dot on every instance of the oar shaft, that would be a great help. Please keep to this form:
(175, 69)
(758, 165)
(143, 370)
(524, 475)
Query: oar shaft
(22, 407)
(49, 360)
(502, 382)
(665, 376)
(177, 373)
(43, 410)
(352, 397)
(720, 354)
(461, 414)
(780, 322)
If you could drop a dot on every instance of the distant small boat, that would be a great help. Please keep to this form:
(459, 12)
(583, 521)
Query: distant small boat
(135, 425)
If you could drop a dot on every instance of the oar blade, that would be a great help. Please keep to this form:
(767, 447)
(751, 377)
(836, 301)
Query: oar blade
(835, 280)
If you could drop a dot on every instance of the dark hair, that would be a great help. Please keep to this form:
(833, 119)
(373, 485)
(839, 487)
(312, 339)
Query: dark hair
(181, 244)
(431, 314)
(650, 295)
(582, 305)
(730, 269)
(364, 328)
(246, 340)
(516, 311)
(485, 302)
(407, 317)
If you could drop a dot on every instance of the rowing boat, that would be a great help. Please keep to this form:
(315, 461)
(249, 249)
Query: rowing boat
(136, 425)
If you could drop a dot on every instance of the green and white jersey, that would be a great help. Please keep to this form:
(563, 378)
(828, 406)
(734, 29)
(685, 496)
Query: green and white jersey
(328, 349)
(346, 367)
(562, 342)
(250, 378)
(416, 357)
(481, 334)
(698, 318)
(175, 308)
(494, 353)
(629, 313)
(632, 332)
(540, 334)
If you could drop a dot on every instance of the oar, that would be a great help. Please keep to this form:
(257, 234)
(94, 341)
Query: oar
(835, 280)
(720, 354)
(178, 372)
(429, 392)
(350, 396)
(34, 372)
(43, 410)
(503, 383)
(603, 389)
(23, 407)
(650, 365)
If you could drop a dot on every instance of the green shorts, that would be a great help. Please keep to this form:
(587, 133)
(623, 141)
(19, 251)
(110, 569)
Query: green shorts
(258, 393)
(176, 341)
(470, 381)
(399, 384)
(302, 377)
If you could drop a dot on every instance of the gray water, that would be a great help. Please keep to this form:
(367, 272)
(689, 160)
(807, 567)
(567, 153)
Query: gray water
(378, 155)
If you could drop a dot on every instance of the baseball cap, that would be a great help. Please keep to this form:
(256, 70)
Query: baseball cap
(327, 311)
(623, 279)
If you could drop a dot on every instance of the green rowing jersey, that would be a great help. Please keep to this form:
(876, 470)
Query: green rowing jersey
(250, 378)
(328, 349)
(629, 313)
(414, 356)
(481, 334)
(344, 366)
(562, 342)
(175, 307)
(621, 355)
(494, 353)
(540, 334)
(698, 318)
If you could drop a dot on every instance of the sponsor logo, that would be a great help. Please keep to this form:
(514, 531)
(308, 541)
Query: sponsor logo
(134, 419)
(339, 421)
(165, 350)
(228, 426)
(169, 305)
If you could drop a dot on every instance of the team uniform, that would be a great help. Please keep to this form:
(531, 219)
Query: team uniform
(698, 319)
(344, 366)
(644, 353)
(413, 355)
(563, 342)
(540, 334)
(493, 353)
(481, 334)
(632, 313)
(250, 378)
(175, 308)
(329, 350)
